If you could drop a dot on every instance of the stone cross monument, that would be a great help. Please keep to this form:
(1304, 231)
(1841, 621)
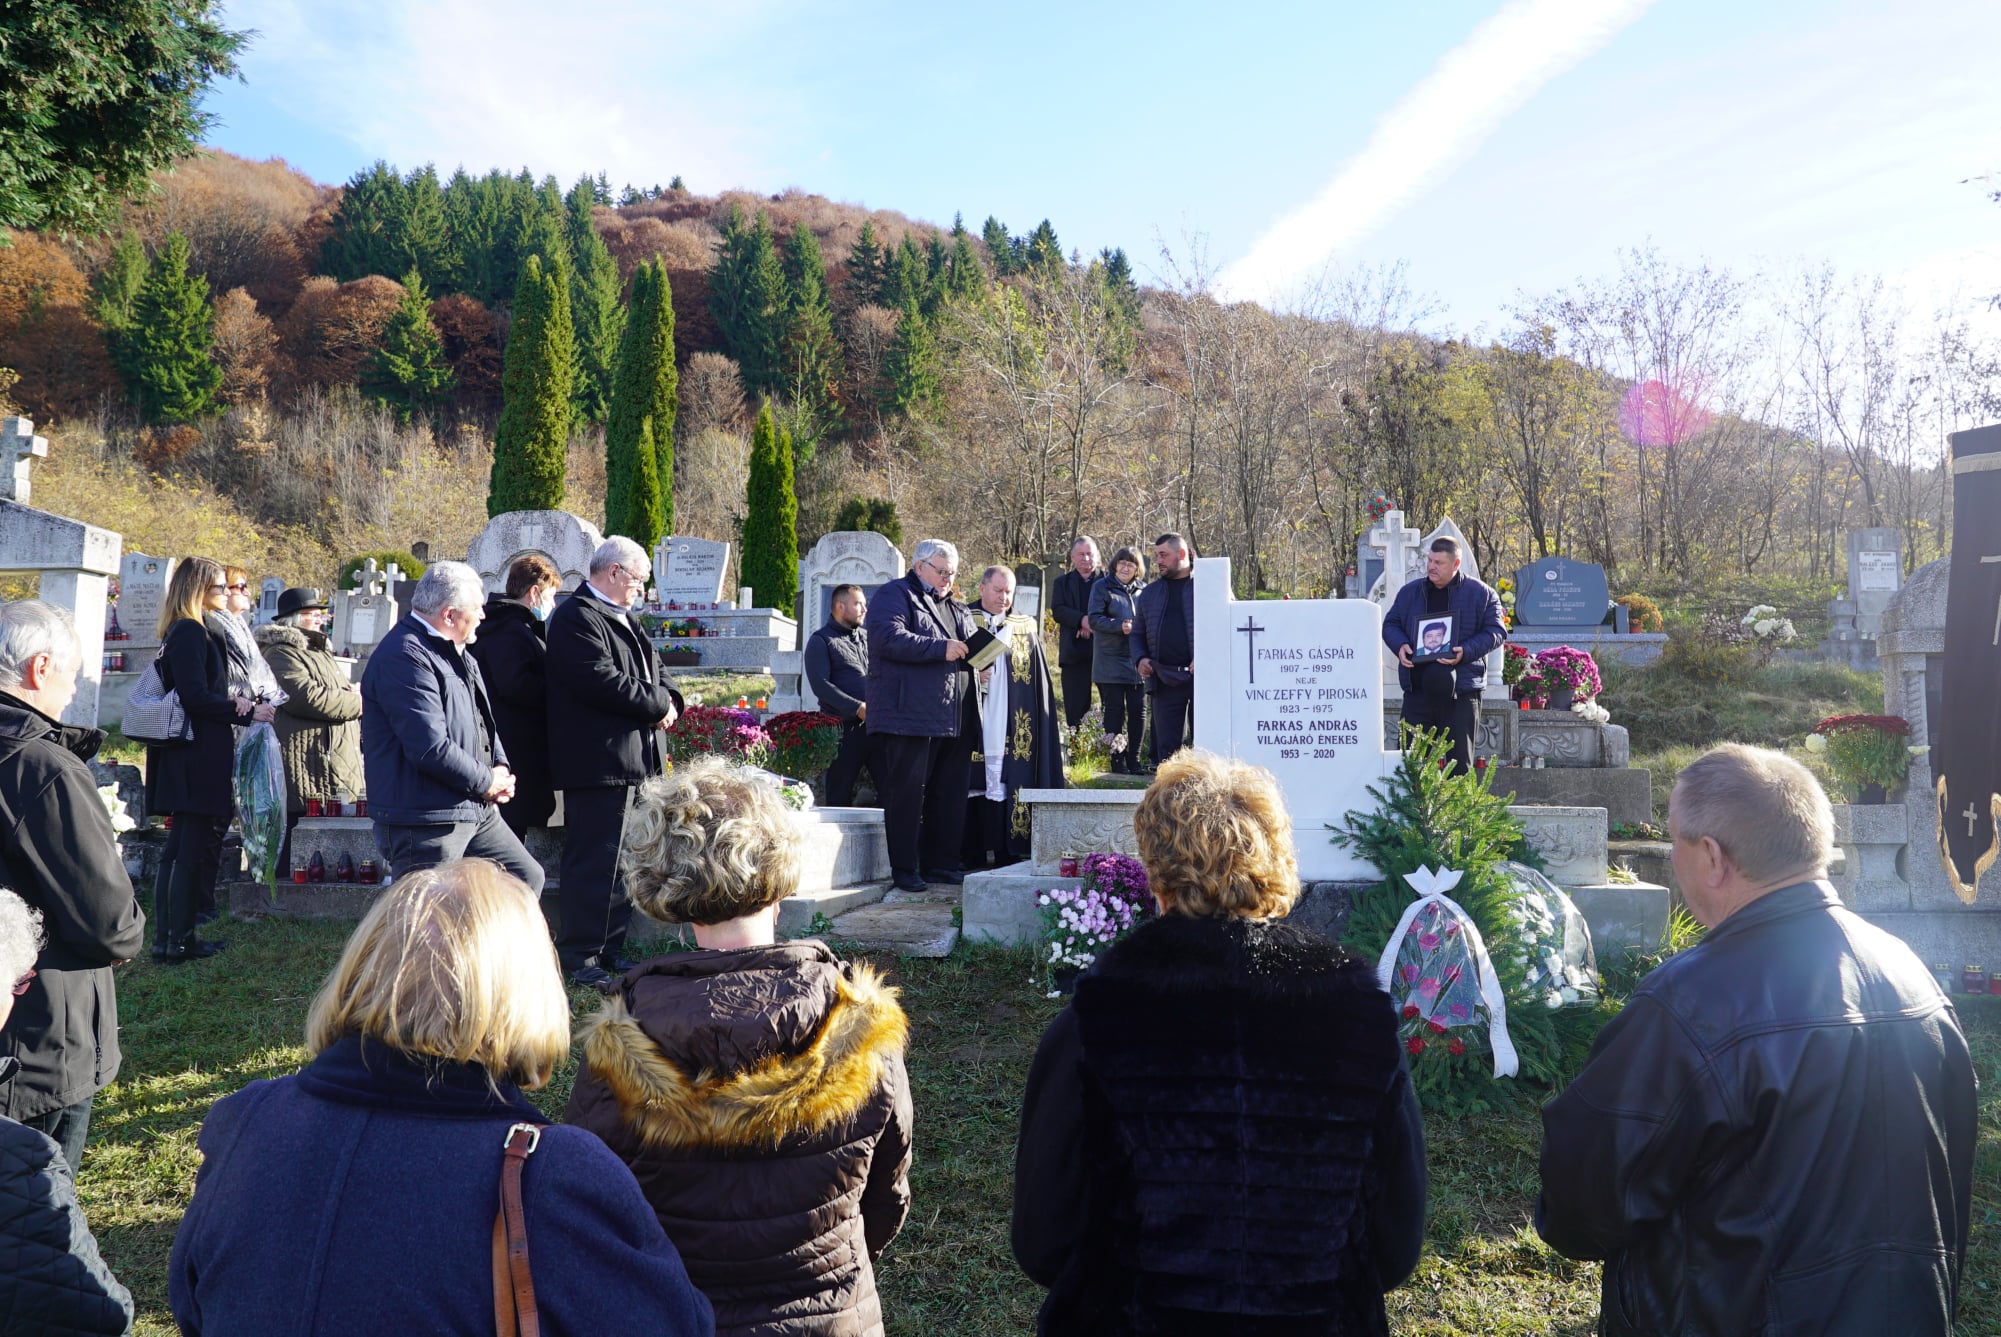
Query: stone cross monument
(18, 446)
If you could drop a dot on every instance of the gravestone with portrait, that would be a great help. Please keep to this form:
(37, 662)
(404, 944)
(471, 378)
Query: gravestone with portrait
(142, 592)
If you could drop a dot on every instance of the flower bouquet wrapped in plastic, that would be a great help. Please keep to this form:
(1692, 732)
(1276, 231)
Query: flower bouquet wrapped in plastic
(260, 801)
(1555, 947)
(1438, 973)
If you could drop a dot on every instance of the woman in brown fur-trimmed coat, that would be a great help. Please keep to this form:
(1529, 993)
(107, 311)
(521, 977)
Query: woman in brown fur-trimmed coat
(756, 1088)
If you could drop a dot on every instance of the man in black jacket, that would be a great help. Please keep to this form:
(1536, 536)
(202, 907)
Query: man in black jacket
(1163, 645)
(58, 851)
(511, 648)
(1070, 605)
(609, 704)
(836, 663)
(1776, 1134)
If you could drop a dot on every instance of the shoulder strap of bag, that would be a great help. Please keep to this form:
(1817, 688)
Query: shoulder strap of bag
(514, 1312)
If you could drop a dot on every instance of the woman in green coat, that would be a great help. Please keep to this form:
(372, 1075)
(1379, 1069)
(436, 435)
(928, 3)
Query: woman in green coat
(319, 725)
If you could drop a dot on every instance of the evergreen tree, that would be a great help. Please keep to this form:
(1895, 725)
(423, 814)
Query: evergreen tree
(531, 444)
(870, 513)
(770, 564)
(365, 226)
(479, 216)
(645, 521)
(1120, 286)
(903, 280)
(747, 296)
(812, 356)
(910, 368)
(425, 243)
(1001, 248)
(408, 370)
(864, 280)
(645, 389)
(164, 352)
(1045, 253)
(114, 290)
(964, 274)
(594, 306)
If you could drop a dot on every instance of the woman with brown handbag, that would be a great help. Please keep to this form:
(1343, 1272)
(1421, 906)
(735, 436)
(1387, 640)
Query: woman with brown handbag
(401, 1182)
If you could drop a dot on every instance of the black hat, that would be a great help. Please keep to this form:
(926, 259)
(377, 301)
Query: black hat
(299, 600)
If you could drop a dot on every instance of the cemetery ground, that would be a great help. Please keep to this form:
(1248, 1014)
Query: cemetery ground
(196, 1034)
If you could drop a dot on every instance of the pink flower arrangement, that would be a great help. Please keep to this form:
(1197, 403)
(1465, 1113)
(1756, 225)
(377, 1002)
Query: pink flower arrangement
(1561, 667)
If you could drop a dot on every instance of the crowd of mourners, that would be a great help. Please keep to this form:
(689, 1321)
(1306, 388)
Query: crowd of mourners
(1218, 1135)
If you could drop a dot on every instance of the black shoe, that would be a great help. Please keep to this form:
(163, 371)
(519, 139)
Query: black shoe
(950, 879)
(595, 977)
(621, 965)
(909, 882)
(189, 949)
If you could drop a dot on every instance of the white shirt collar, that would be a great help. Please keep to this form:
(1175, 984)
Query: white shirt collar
(603, 598)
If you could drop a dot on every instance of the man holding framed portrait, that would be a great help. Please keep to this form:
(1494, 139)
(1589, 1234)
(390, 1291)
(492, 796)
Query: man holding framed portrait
(1442, 626)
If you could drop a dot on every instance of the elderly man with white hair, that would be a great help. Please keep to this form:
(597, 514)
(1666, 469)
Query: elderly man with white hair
(920, 737)
(609, 704)
(1776, 1134)
(436, 769)
(54, 1280)
(57, 849)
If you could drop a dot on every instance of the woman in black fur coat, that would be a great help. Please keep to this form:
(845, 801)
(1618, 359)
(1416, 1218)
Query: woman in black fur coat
(1219, 1135)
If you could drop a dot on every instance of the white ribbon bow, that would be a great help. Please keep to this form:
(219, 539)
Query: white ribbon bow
(1431, 887)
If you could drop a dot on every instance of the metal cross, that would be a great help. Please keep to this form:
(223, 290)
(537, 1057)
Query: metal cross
(18, 445)
(1251, 630)
(1972, 815)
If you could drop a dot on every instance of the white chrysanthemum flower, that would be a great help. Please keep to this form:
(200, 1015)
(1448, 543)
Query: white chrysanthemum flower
(1815, 743)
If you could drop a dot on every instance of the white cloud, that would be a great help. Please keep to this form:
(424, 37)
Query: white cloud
(1431, 129)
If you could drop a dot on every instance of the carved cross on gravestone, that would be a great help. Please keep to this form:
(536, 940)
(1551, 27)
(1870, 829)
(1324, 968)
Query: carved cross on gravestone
(1396, 542)
(394, 575)
(18, 445)
(1972, 815)
(369, 580)
(1251, 630)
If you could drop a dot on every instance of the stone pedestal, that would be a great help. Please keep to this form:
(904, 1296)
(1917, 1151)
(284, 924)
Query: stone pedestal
(1626, 795)
(74, 562)
(1076, 822)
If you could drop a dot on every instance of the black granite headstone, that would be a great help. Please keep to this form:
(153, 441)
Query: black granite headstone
(1557, 592)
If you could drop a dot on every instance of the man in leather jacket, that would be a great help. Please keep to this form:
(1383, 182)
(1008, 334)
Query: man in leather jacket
(1777, 1133)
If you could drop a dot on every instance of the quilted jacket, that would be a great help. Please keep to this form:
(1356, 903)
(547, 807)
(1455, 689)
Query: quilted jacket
(52, 1279)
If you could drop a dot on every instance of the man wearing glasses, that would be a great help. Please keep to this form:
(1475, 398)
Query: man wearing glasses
(608, 706)
(918, 684)
(58, 851)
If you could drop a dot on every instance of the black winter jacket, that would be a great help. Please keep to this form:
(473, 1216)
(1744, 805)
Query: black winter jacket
(1070, 605)
(1219, 1137)
(53, 1281)
(196, 777)
(1146, 638)
(1775, 1135)
(58, 851)
(912, 688)
(836, 664)
(512, 649)
(425, 719)
(606, 697)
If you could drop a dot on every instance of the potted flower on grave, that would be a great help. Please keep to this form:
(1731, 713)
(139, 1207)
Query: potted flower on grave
(804, 743)
(1517, 664)
(1869, 754)
(718, 731)
(1079, 923)
(1563, 675)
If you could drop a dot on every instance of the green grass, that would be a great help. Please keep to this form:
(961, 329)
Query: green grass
(720, 687)
(198, 1032)
(1769, 707)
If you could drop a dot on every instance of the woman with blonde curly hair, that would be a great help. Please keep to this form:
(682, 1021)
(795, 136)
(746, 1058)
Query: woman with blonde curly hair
(755, 1087)
(1219, 1134)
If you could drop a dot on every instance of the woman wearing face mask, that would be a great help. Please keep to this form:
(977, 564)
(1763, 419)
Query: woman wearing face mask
(319, 724)
(511, 648)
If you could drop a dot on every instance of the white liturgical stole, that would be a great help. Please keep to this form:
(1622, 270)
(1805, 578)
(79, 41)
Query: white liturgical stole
(994, 714)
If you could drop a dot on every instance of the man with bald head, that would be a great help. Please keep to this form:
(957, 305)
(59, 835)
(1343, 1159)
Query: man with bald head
(1776, 1134)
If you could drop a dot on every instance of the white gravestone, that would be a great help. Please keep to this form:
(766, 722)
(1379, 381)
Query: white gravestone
(845, 557)
(142, 591)
(267, 599)
(18, 447)
(566, 540)
(1293, 686)
(689, 570)
(363, 615)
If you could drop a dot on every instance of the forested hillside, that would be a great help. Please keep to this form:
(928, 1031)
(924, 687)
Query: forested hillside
(285, 372)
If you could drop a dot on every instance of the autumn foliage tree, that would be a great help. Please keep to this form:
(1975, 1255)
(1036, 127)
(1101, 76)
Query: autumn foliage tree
(530, 445)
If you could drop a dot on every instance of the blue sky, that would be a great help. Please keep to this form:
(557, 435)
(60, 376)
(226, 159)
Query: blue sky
(1494, 147)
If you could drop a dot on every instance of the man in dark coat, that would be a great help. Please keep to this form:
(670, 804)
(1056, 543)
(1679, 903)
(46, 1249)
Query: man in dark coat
(1018, 744)
(1777, 1133)
(436, 766)
(52, 1278)
(609, 705)
(1445, 693)
(1070, 605)
(1163, 645)
(918, 686)
(58, 851)
(512, 645)
(836, 663)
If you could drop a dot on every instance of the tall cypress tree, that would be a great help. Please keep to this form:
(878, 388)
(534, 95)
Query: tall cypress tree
(770, 563)
(747, 295)
(164, 352)
(864, 267)
(408, 370)
(594, 305)
(531, 443)
(811, 354)
(645, 390)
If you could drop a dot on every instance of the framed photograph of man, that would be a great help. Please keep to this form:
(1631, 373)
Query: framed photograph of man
(1434, 638)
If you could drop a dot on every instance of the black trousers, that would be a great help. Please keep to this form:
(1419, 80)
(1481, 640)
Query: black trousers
(847, 765)
(1125, 713)
(408, 848)
(1076, 691)
(69, 1126)
(922, 782)
(187, 868)
(596, 909)
(1456, 717)
(1173, 720)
